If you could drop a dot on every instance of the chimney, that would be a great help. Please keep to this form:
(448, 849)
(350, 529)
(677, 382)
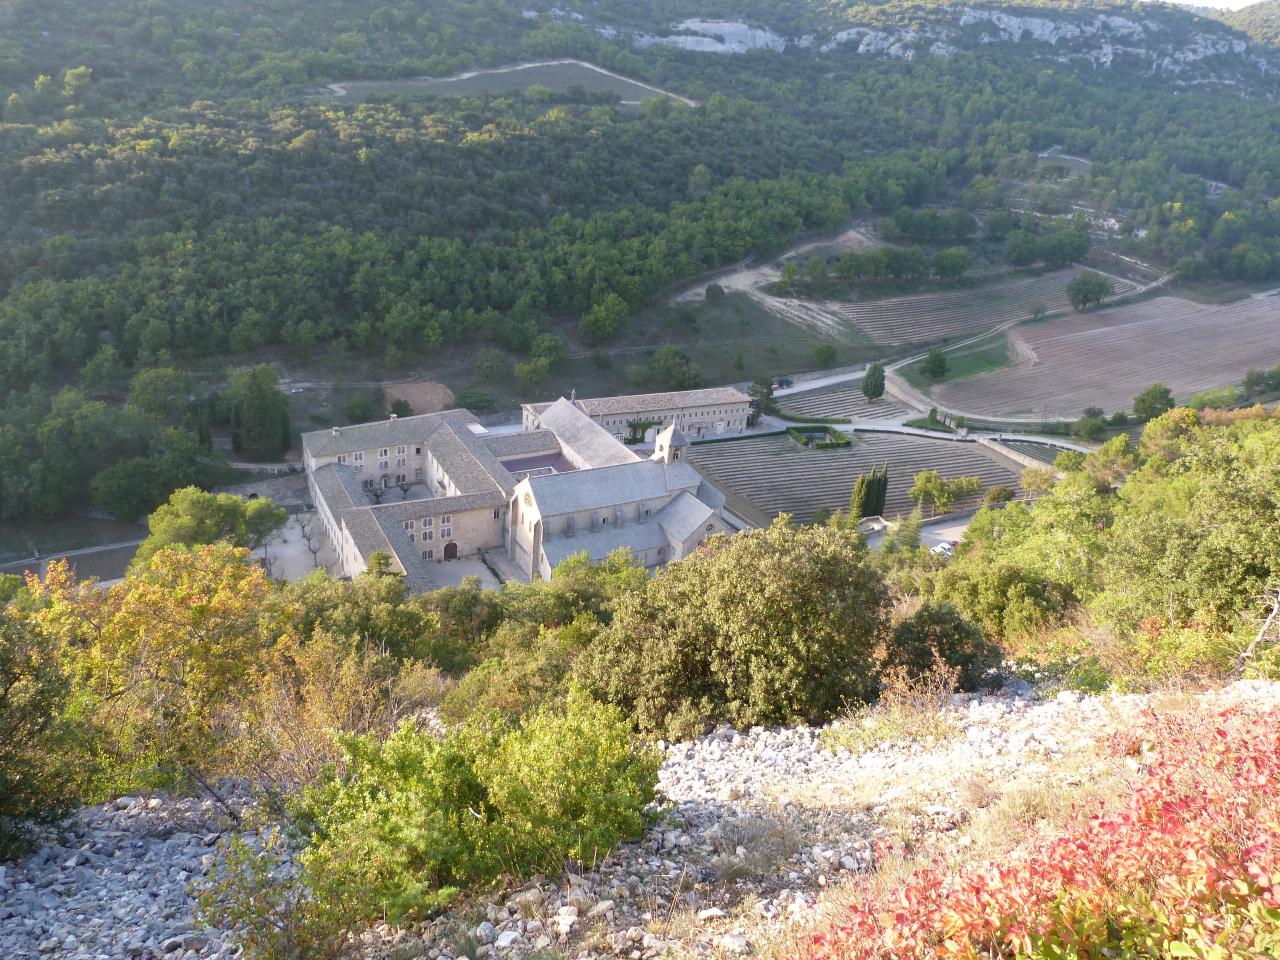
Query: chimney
(336, 431)
(395, 417)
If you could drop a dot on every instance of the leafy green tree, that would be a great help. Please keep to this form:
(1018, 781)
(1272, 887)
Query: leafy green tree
(1088, 289)
(930, 489)
(551, 348)
(604, 320)
(401, 408)
(873, 381)
(671, 369)
(476, 400)
(1152, 402)
(952, 263)
(259, 412)
(40, 777)
(104, 371)
(532, 374)
(934, 365)
(490, 364)
(824, 356)
(769, 627)
(192, 517)
(162, 393)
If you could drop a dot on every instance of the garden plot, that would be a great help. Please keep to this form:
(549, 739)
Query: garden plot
(776, 475)
(1106, 358)
(846, 403)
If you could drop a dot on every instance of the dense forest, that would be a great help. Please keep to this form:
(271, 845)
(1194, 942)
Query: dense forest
(181, 192)
(1260, 20)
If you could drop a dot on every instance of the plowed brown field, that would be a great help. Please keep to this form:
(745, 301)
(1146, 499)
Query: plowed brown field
(1106, 358)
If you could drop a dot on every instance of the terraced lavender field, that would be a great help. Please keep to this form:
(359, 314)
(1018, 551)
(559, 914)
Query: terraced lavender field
(846, 402)
(1106, 358)
(776, 475)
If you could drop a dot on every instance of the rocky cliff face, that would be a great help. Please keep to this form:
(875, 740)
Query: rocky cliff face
(1151, 40)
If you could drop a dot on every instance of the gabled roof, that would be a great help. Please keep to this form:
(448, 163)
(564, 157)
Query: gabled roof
(624, 483)
(683, 516)
(642, 402)
(598, 544)
(585, 443)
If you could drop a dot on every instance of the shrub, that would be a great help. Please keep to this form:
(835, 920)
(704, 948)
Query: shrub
(38, 779)
(937, 633)
(1186, 868)
(413, 820)
(769, 627)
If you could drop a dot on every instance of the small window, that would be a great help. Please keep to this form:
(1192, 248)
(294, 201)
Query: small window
(497, 514)
(359, 468)
(400, 461)
(710, 527)
(428, 535)
(427, 522)
(417, 451)
(410, 524)
(382, 464)
(400, 450)
(446, 533)
(604, 520)
(358, 456)
(342, 458)
(412, 537)
(446, 519)
(382, 452)
(417, 473)
(429, 554)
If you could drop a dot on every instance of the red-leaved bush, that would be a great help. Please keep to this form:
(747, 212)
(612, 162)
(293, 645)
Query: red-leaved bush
(1190, 867)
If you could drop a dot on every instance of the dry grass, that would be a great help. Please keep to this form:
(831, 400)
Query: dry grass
(752, 846)
(909, 708)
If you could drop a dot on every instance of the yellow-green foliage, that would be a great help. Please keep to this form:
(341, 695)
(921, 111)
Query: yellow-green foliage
(415, 818)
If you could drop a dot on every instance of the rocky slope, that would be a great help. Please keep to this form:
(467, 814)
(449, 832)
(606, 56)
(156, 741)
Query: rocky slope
(1171, 43)
(757, 826)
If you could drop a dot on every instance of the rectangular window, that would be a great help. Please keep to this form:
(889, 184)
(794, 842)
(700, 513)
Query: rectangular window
(428, 535)
(359, 468)
(400, 461)
(446, 519)
(497, 514)
(417, 473)
(412, 537)
(410, 524)
(382, 464)
(382, 453)
(342, 458)
(400, 450)
(428, 554)
(400, 478)
(358, 456)
(446, 533)
(427, 522)
(417, 451)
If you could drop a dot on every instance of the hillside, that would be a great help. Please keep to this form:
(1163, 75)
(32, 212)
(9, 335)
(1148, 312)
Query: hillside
(1261, 21)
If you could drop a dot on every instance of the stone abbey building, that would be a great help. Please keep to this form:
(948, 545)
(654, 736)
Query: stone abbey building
(428, 489)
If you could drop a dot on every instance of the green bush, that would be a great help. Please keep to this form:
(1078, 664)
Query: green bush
(937, 633)
(770, 627)
(415, 819)
(37, 773)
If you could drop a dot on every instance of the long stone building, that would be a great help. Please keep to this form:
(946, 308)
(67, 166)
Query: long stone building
(698, 413)
(428, 489)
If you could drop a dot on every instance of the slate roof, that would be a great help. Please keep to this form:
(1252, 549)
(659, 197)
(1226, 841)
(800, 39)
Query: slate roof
(560, 493)
(526, 444)
(382, 433)
(583, 440)
(683, 516)
(640, 402)
(601, 542)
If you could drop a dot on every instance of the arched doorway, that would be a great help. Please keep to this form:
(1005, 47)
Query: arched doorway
(451, 551)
